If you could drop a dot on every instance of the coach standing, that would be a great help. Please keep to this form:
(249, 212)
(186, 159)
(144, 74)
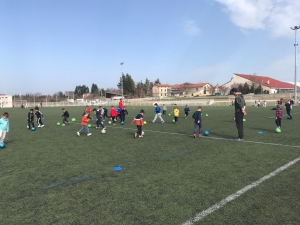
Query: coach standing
(240, 107)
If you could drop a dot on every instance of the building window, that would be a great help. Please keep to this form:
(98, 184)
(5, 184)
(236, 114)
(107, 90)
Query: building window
(165, 90)
(165, 94)
(197, 88)
(160, 90)
(204, 91)
(160, 94)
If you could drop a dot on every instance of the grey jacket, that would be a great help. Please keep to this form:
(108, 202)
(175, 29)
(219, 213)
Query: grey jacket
(239, 103)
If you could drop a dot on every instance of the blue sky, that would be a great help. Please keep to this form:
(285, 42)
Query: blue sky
(50, 46)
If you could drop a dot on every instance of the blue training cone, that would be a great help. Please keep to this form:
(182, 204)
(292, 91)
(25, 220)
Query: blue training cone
(260, 132)
(117, 168)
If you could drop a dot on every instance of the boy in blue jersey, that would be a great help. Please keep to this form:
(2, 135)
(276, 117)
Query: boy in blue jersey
(157, 114)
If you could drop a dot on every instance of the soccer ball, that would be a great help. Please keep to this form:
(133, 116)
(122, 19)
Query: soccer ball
(89, 125)
(122, 123)
(145, 122)
(173, 121)
(109, 122)
(58, 124)
(73, 119)
(143, 133)
(278, 130)
(206, 115)
(244, 120)
(103, 131)
(2, 145)
(288, 117)
(33, 128)
(169, 114)
(206, 133)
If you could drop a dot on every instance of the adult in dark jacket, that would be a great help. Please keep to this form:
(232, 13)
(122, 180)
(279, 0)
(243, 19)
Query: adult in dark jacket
(240, 111)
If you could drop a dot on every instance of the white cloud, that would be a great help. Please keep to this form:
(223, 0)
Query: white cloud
(190, 28)
(282, 69)
(275, 15)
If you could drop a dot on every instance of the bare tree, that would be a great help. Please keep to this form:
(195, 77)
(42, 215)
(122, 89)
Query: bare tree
(223, 90)
(186, 87)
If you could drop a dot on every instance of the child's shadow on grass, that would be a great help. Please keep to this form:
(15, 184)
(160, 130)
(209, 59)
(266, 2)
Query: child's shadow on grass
(9, 141)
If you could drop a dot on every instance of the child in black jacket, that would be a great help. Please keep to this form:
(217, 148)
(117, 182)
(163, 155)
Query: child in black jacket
(65, 116)
(197, 121)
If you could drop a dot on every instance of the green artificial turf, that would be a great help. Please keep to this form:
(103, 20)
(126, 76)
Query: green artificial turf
(52, 176)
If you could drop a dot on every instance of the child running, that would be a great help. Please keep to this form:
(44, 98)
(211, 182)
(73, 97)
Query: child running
(99, 119)
(30, 119)
(278, 116)
(84, 121)
(4, 126)
(113, 114)
(288, 109)
(197, 121)
(65, 116)
(164, 109)
(138, 120)
(186, 111)
(176, 114)
(39, 116)
(124, 112)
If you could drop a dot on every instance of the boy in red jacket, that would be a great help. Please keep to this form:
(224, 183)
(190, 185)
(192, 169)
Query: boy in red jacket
(139, 123)
(84, 121)
(113, 114)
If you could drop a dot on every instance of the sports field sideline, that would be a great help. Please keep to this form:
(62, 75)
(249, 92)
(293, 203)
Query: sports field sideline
(52, 176)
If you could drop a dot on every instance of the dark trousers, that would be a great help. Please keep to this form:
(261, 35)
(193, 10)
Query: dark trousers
(30, 123)
(105, 115)
(186, 114)
(39, 121)
(197, 126)
(278, 122)
(99, 122)
(113, 118)
(139, 130)
(239, 124)
(122, 118)
(289, 113)
(164, 112)
(176, 119)
(65, 119)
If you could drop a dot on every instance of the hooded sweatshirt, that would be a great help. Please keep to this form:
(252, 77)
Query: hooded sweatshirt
(4, 124)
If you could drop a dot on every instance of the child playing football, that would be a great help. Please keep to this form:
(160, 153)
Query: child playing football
(123, 114)
(197, 121)
(113, 114)
(176, 114)
(65, 116)
(84, 121)
(99, 119)
(186, 111)
(4, 126)
(39, 116)
(30, 119)
(138, 120)
(278, 116)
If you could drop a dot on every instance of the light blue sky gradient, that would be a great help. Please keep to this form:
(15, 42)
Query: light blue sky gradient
(50, 46)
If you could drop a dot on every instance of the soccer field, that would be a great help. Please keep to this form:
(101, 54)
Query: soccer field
(52, 176)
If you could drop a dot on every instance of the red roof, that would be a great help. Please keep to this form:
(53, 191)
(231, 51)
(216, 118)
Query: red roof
(267, 81)
(162, 85)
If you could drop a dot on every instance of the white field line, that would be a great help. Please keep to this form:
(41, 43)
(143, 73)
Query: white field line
(237, 194)
(284, 115)
(215, 138)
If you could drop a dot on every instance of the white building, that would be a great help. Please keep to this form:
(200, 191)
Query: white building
(6, 101)
(268, 84)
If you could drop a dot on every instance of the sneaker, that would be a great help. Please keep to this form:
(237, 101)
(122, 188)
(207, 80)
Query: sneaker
(38, 126)
(89, 134)
(104, 128)
(200, 135)
(141, 136)
(163, 122)
(78, 133)
(152, 121)
(194, 136)
(114, 124)
(69, 122)
(27, 126)
(63, 124)
(239, 139)
(97, 127)
(43, 125)
(135, 135)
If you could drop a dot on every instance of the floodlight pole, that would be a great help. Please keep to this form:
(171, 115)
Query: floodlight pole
(122, 78)
(295, 28)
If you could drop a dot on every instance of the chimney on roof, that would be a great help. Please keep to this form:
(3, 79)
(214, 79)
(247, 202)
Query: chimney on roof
(268, 81)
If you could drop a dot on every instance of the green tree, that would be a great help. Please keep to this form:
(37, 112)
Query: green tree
(128, 85)
(94, 89)
(80, 90)
(245, 89)
(157, 81)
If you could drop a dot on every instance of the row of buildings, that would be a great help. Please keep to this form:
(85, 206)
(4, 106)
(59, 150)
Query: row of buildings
(267, 85)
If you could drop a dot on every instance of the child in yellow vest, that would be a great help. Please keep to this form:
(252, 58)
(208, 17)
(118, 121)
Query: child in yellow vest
(176, 114)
